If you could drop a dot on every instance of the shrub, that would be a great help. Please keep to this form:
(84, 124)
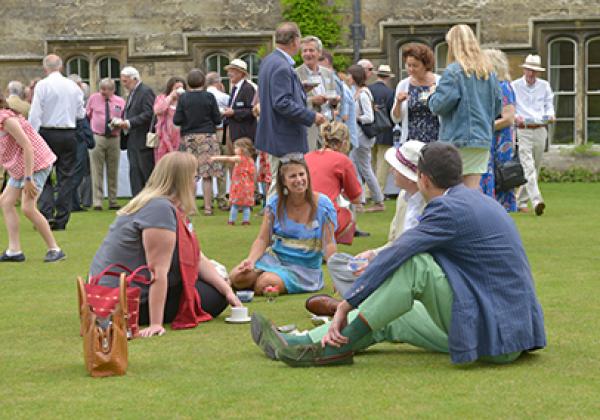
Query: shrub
(575, 174)
(318, 18)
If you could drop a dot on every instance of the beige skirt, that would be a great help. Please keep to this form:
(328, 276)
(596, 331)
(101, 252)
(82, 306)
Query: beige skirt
(203, 146)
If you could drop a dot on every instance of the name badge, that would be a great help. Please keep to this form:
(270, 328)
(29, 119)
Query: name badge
(239, 104)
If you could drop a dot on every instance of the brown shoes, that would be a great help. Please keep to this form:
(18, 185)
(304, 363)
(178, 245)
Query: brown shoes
(539, 208)
(322, 305)
(377, 207)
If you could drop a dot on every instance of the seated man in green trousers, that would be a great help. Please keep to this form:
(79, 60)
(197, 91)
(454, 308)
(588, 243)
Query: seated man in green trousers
(464, 262)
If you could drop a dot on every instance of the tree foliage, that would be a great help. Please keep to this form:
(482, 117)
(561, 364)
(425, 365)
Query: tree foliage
(319, 18)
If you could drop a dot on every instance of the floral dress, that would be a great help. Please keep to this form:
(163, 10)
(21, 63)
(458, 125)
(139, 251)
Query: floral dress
(242, 183)
(500, 152)
(264, 168)
(423, 125)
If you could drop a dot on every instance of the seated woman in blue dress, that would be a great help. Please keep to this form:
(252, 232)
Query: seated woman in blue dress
(296, 233)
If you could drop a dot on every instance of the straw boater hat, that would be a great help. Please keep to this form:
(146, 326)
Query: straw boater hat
(405, 158)
(237, 64)
(384, 70)
(533, 62)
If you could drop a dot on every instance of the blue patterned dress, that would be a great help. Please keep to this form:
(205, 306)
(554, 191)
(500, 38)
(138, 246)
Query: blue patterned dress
(296, 251)
(423, 125)
(501, 151)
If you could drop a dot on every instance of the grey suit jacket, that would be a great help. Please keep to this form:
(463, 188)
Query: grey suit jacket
(139, 111)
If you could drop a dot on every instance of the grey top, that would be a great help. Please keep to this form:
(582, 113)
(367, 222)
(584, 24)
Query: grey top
(123, 244)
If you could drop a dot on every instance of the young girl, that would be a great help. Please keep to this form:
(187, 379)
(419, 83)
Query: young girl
(28, 160)
(241, 193)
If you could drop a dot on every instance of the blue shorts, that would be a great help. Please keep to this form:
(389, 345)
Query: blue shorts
(39, 180)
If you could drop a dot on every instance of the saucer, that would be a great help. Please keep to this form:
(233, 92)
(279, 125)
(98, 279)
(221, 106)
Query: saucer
(237, 321)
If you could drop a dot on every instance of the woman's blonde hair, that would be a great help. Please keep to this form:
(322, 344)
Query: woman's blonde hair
(172, 178)
(464, 48)
(499, 63)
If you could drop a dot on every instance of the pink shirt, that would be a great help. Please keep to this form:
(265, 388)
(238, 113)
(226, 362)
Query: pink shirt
(96, 111)
(11, 154)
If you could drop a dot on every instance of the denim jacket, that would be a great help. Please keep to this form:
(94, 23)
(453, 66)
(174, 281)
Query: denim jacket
(467, 107)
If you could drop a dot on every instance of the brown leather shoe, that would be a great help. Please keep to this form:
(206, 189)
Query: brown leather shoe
(321, 305)
(539, 208)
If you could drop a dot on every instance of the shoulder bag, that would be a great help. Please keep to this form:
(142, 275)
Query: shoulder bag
(380, 123)
(509, 174)
(152, 139)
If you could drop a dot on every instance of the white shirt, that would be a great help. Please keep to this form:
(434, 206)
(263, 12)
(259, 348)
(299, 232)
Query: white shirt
(414, 208)
(237, 86)
(221, 97)
(57, 103)
(535, 101)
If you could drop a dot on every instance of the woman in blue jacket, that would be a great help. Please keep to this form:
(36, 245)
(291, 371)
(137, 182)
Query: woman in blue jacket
(467, 100)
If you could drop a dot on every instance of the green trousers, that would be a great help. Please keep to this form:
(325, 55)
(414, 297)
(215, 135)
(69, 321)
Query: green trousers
(413, 306)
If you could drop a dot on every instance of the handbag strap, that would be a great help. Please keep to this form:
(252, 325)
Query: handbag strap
(132, 276)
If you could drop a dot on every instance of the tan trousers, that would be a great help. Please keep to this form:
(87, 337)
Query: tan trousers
(382, 168)
(106, 153)
(274, 162)
(532, 142)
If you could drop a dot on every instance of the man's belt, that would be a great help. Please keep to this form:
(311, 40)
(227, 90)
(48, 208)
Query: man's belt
(58, 128)
(530, 126)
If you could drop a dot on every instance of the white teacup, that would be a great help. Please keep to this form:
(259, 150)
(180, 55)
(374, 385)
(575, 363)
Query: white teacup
(239, 313)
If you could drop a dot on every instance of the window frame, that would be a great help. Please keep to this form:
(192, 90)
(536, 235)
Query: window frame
(79, 58)
(435, 55)
(117, 78)
(252, 72)
(220, 67)
(558, 94)
(587, 92)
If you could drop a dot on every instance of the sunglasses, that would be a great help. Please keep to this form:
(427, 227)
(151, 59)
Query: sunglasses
(292, 158)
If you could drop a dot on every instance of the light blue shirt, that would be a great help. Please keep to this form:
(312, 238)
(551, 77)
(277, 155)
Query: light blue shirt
(287, 57)
(348, 99)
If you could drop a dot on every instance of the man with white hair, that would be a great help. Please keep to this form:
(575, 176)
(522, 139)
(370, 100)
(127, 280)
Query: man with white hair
(136, 124)
(56, 106)
(368, 66)
(320, 84)
(15, 100)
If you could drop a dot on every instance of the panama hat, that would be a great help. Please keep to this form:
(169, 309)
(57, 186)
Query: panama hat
(533, 62)
(384, 70)
(237, 64)
(405, 158)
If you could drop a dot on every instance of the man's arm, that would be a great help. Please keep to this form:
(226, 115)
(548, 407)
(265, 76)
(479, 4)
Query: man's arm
(283, 99)
(145, 116)
(549, 102)
(35, 112)
(436, 229)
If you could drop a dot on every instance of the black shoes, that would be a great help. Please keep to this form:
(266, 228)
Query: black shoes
(20, 257)
(361, 234)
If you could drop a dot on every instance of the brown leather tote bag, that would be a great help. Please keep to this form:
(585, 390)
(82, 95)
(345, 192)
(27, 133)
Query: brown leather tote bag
(104, 338)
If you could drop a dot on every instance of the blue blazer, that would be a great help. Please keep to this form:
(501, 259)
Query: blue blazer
(283, 112)
(495, 309)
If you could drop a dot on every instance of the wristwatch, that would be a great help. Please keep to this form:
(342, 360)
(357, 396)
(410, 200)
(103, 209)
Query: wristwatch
(28, 178)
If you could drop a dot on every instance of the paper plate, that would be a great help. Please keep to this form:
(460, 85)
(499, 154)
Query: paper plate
(237, 321)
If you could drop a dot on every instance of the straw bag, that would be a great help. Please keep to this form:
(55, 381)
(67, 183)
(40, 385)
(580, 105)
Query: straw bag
(104, 338)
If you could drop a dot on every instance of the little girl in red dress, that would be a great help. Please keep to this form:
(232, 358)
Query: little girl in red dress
(241, 193)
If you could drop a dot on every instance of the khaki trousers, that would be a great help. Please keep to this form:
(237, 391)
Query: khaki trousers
(382, 168)
(532, 142)
(226, 150)
(106, 153)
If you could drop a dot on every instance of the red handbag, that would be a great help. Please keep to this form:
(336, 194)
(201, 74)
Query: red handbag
(103, 299)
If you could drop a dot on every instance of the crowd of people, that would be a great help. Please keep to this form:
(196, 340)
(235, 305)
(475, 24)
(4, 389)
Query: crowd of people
(452, 276)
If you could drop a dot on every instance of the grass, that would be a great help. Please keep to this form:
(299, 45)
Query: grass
(215, 370)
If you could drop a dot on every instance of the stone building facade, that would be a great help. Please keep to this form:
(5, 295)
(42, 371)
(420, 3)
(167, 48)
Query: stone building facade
(96, 38)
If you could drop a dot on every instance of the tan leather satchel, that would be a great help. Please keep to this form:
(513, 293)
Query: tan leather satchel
(104, 338)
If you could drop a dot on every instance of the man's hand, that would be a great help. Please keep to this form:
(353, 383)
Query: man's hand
(228, 112)
(335, 101)
(320, 119)
(318, 99)
(334, 335)
(369, 254)
(124, 125)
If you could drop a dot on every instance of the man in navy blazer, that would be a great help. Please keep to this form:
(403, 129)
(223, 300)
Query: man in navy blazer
(284, 115)
(464, 262)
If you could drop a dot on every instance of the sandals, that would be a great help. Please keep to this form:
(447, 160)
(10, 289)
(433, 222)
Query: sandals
(208, 212)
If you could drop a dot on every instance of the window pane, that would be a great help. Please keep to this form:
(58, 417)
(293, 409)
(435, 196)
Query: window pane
(564, 106)
(84, 69)
(562, 53)
(593, 82)
(73, 67)
(115, 67)
(563, 132)
(441, 55)
(252, 61)
(223, 62)
(594, 52)
(104, 68)
(593, 104)
(593, 132)
(562, 80)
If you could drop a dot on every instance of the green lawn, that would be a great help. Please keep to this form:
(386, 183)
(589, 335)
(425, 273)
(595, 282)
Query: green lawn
(216, 370)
